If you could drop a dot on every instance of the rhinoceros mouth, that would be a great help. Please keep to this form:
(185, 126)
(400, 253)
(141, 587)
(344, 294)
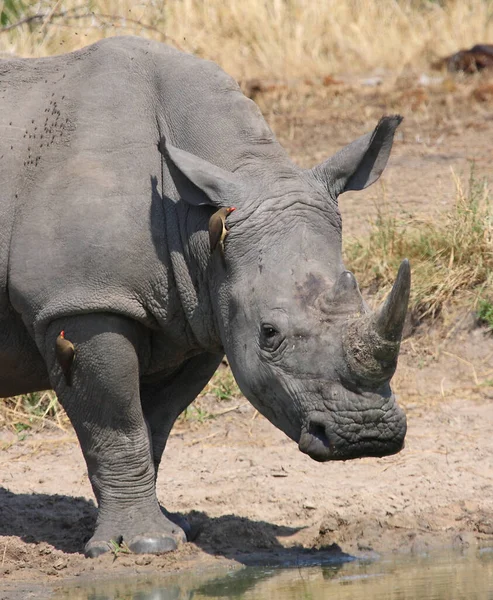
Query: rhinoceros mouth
(320, 441)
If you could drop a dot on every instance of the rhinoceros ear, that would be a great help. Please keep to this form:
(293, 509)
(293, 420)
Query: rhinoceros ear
(199, 182)
(360, 163)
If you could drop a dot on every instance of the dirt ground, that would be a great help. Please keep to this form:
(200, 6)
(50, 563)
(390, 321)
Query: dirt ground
(248, 492)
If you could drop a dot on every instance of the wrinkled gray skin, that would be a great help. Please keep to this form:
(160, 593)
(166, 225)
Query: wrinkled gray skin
(112, 160)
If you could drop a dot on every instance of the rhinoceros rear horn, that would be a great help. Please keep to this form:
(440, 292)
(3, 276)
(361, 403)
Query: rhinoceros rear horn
(346, 291)
(346, 284)
(392, 314)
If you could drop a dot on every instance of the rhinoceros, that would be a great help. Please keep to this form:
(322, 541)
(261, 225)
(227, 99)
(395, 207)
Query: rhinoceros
(114, 160)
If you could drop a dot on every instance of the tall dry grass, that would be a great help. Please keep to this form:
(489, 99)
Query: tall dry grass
(264, 38)
(450, 256)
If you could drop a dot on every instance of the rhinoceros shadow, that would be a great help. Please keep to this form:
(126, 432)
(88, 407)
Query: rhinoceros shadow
(255, 543)
(62, 521)
(67, 522)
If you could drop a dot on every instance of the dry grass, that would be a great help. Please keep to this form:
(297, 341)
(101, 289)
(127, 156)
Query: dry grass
(448, 257)
(32, 412)
(262, 38)
(29, 412)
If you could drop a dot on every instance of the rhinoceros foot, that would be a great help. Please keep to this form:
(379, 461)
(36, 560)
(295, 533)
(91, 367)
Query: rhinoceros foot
(139, 536)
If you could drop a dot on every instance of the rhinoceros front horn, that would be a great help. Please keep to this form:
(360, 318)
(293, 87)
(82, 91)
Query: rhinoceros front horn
(392, 314)
(372, 342)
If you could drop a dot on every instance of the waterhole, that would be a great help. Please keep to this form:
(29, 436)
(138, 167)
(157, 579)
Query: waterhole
(451, 576)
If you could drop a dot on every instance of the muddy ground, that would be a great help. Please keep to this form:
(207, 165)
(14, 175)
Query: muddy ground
(248, 492)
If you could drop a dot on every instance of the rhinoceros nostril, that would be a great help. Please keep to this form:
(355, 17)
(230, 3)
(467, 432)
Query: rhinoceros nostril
(314, 441)
(318, 431)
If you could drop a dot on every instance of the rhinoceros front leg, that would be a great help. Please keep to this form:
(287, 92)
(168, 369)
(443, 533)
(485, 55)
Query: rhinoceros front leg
(103, 404)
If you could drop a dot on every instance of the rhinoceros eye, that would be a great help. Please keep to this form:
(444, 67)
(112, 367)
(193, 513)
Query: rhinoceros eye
(270, 338)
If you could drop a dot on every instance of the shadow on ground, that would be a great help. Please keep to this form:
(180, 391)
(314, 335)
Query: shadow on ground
(66, 523)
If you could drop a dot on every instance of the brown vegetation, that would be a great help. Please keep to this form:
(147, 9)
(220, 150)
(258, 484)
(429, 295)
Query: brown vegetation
(476, 59)
(267, 39)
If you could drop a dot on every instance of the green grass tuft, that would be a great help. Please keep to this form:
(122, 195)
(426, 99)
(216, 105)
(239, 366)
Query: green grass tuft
(485, 312)
(223, 385)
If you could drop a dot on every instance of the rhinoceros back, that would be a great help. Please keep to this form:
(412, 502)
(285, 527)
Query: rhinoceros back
(81, 173)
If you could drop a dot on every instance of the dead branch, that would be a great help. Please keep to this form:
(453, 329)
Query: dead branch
(49, 17)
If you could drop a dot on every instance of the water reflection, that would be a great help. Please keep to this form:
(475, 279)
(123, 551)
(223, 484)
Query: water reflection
(443, 577)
